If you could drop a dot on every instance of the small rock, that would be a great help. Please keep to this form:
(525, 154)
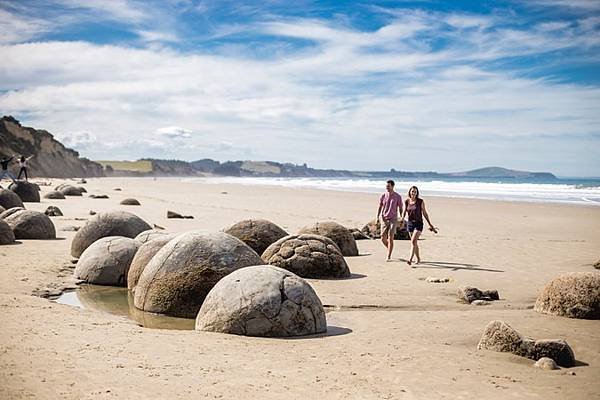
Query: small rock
(92, 212)
(431, 279)
(469, 294)
(481, 302)
(53, 211)
(82, 181)
(70, 228)
(117, 189)
(130, 202)
(98, 196)
(173, 214)
(546, 363)
(597, 264)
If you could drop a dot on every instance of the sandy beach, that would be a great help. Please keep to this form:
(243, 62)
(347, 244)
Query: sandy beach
(392, 335)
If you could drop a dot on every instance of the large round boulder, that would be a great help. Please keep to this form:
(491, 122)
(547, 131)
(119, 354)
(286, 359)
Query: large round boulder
(27, 191)
(113, 223)
(6, 233)
(106, 261)
(10, 211)
(178, 278)
(146, 251)
(69, 190)
(54, 195)
(256, 233)
(9, 199)
(29, 224)
(573, 295)
(308, 256)
(336, 232)
(262, 301)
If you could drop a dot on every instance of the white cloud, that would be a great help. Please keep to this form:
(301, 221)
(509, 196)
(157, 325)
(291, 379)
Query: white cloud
(174, 132)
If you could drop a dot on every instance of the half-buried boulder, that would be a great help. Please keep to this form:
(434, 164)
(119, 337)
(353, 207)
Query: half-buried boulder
(53, 211)
(106, 261)
(9, 199)
(113, 223)
(262, 301)
(308, 256)
(178, 278)
(10, 211)
(573, 295)
(336, 232)
(256, 233)
(27, 191)
(6, 233)
(146, 251)
(130, 202)
(149, 235)
(69, 190)
(29, 224)
(499, 336)
(54, 195)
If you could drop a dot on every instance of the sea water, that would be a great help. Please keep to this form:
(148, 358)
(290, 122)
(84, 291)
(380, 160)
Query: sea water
(572, 190)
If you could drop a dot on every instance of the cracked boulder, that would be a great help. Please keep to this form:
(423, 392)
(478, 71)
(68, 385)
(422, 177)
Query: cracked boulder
(336, 232)
(112, 223)
(10, 211)
(6, 233)
(572, 295)
(130, 202)
(308, 256)
(180, 275)
(468, 294)
(149, 235)
(54, 195)
(256, 233)
(499, 336)
(146, 251)
(9, 199)
(29, 224)
(262, 301)
(106, 261)
(53, 211)
(27, 191)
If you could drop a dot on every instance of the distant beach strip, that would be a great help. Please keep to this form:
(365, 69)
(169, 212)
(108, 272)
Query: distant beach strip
(571, 191)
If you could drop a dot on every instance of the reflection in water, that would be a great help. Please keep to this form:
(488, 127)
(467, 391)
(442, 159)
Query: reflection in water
(119, 301)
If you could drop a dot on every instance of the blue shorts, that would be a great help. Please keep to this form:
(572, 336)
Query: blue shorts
(414, 226)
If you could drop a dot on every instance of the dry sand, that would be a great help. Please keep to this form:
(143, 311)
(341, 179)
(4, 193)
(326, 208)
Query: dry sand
(410, 340)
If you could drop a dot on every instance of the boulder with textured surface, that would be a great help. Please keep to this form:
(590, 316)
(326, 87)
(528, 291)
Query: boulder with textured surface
(53, 211)
(54, 195)
(29, 224)
(113, 223)
(373, 230)
(178, 277)
(262, 301)
(146, 251)
(468, 294)
(130, 202)
(10, 211)
(27, 191)
(106, 261)
(6, 233)
(308, 256)
(573, 295)
(358, 235)
(9, 199)
(597, 264)
(256, 233)
(150, 234)
(336, 232)
(546, 363)
(499, 336)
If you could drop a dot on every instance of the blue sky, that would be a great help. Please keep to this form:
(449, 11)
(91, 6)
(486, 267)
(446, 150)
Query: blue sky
(411, 85)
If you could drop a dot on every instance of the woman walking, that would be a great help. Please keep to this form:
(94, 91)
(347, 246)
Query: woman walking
(414, 207)
(23, 166)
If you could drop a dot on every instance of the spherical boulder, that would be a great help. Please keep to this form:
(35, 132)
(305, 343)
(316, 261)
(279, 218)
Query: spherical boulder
(336, 232)
(546, 363)
(150, 234)
(308, 256)
(9, 199)
(29, 224)
(262, 301)
(106, 261)
(178, 278)
(146, 251)
(27, 191)
(10, 211)
(573, 295)
(69, 190)
(256, 233)
(6, 233)
(130, 202)
(54, 195)
(113, 223)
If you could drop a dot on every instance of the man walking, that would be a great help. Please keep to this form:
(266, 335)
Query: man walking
(387, 214)
(4, 161)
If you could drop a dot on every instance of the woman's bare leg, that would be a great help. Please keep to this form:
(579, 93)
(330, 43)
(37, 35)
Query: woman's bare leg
(416, 236)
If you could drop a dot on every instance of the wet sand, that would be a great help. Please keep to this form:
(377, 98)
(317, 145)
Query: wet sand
(392, 335)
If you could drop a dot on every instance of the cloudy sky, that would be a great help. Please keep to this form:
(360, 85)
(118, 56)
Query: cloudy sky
(411, 85)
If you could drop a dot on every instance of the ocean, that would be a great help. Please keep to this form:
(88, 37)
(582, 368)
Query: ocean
(584, 191)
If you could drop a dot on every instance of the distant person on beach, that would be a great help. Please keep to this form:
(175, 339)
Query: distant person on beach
(4, 161)
(23, 166)
(387, 215)
(414, 207)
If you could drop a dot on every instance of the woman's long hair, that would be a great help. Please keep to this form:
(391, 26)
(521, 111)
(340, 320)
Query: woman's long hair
(22, 158)
(410, 190)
